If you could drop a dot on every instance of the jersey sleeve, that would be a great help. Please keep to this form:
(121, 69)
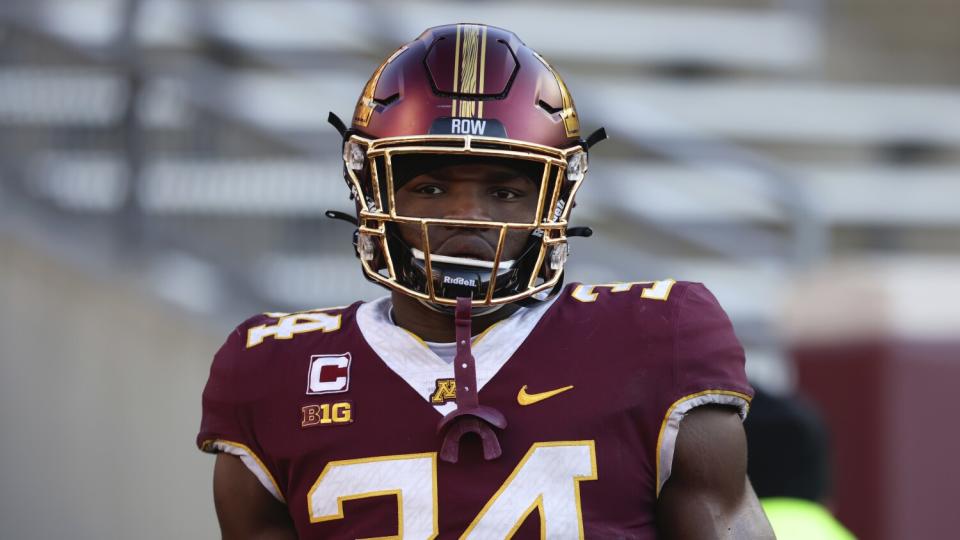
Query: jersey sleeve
(708, 368)
(226, 423)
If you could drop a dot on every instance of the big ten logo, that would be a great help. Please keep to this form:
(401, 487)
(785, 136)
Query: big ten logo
(329, 374)
(326, 414)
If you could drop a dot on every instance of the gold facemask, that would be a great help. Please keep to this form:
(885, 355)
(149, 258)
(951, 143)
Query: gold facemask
(369, 165)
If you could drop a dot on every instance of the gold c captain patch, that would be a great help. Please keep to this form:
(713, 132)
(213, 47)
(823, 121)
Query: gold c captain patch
(445, 392)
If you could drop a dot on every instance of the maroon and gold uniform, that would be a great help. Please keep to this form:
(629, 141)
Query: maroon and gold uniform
(336, 413)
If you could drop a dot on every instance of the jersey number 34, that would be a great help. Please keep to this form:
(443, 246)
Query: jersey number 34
(546, 479)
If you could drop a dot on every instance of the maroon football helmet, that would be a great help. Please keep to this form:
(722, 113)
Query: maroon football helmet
(464, 92)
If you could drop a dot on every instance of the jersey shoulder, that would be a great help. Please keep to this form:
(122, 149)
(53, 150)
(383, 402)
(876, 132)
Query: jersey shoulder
(659, 298)
(270, 330)
(251, 352)
(679, 325)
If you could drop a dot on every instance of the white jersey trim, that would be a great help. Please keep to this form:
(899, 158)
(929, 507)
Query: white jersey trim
(252, 462)
(407, 356)
(667, 440)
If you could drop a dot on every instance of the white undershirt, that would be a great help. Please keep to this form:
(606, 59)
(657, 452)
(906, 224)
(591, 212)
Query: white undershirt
(446, 351)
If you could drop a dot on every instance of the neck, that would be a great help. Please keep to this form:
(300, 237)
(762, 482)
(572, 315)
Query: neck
(434, 326)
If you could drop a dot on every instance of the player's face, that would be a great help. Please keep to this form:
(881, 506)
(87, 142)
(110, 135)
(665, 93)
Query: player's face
(474, 192)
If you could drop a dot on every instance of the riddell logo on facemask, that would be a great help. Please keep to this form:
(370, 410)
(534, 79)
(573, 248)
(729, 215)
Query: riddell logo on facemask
(559, 209)
(459, 281)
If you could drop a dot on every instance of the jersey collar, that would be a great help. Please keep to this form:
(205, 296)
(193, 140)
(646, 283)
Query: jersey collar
(410, 358)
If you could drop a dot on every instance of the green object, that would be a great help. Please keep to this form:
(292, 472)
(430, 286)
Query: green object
(800, 519)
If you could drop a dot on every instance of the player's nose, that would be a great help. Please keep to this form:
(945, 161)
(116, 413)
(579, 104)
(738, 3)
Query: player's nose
(466, 203)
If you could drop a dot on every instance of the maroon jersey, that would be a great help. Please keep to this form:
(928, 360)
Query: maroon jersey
(336, 413)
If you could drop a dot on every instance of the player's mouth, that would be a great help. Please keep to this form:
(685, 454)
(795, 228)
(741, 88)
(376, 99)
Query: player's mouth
(465, 249)
(466, 246)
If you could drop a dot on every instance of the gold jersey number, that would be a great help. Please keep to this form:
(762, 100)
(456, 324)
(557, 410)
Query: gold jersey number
(651, 290)
(546, 479)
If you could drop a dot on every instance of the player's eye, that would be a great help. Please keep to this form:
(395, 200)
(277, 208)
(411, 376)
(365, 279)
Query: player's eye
(428, 189)
(506, 194)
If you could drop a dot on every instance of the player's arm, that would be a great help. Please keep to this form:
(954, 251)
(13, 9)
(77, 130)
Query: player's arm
(708, 495)
(245, 509)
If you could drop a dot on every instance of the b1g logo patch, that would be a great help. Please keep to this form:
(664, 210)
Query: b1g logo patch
(326, 414)
(329, 374)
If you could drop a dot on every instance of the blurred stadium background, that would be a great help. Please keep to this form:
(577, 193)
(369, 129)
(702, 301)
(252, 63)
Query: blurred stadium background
(165, 166)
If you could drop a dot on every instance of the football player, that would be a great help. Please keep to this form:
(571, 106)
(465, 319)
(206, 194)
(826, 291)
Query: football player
(481, 398)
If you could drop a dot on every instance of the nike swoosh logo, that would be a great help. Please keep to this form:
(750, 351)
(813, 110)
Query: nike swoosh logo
(523, 398)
